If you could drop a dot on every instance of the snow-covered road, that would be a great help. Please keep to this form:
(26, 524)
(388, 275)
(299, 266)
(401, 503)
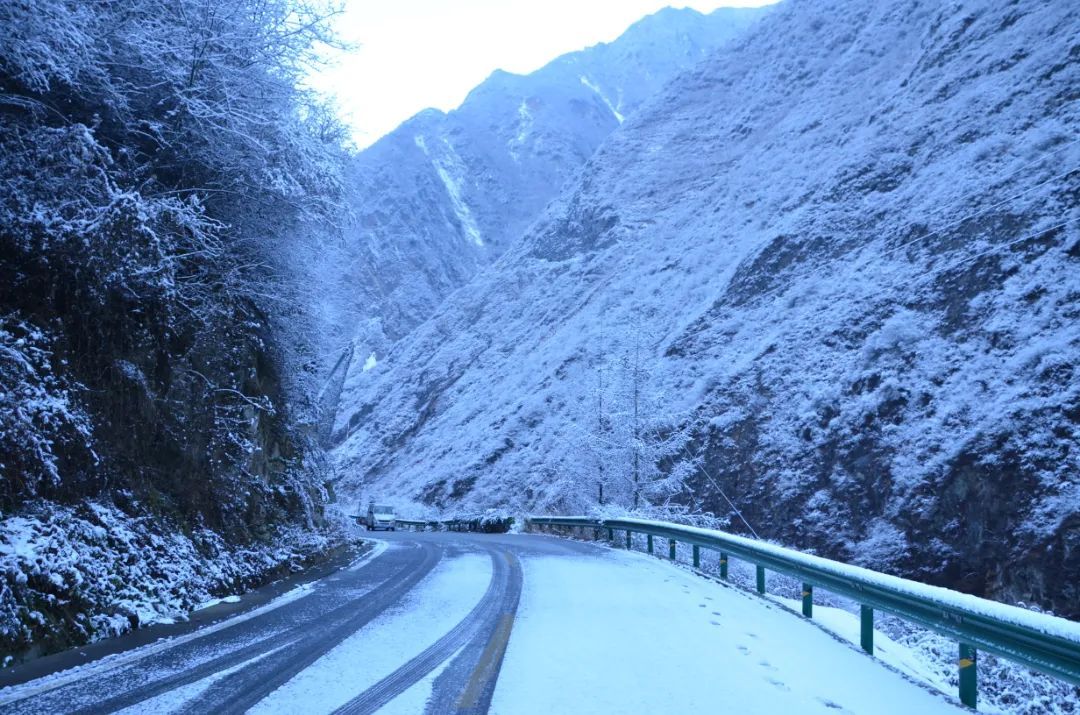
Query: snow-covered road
(463, 623)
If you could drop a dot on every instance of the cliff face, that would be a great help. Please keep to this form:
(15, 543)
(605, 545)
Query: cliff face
(831, 273)
(445, 194)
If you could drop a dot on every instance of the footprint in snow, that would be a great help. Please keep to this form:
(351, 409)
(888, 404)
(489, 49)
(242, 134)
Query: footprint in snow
(767, 665)
(715, 623)
(744, 650)
(831, 704)
(778, 684)
(716, 613)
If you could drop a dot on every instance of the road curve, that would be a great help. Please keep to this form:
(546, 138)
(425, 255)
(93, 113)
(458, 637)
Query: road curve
(231, 667)
(475, 623)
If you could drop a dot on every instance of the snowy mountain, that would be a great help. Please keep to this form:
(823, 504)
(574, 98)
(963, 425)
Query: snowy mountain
(445, 194)
(830, 275)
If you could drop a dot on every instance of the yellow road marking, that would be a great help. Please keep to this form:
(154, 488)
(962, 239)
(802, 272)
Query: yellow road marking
(492, 654)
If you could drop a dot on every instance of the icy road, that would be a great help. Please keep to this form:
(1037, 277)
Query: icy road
(463, 623)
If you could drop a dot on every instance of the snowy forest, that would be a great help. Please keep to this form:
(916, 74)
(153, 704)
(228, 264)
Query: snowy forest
(163, 184)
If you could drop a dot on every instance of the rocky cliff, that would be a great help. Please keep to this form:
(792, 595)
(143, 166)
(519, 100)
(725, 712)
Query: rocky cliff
(445, 194)
(830, 275)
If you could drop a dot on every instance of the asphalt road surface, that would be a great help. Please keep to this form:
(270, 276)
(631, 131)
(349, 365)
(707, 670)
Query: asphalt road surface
(479, 623)
(251, 657)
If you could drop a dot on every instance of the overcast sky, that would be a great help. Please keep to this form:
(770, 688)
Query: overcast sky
(414, 54)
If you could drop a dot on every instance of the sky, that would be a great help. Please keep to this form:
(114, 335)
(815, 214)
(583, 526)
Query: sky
(409, 55)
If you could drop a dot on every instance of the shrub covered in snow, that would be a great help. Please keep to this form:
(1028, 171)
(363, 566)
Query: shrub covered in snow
(161, 179)
(73, 574)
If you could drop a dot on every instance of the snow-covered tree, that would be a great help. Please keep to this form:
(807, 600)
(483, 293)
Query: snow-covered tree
(632, 444)
(162, 177)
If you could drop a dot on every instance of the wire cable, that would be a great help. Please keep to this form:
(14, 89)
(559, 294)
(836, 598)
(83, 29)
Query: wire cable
(701, 467)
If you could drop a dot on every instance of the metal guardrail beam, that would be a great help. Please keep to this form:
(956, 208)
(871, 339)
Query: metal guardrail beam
(414, 524)
(475, 524)
(1051, 646)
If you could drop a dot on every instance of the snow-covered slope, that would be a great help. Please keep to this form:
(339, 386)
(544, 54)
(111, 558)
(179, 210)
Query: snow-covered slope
(445, 194)
(833, 271)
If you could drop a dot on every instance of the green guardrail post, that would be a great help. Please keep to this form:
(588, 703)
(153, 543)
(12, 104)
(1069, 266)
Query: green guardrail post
(610, 534)
(596, 533)
(648, 542)
(697, 556)
(671, 549)
(808, 600)
(723, 566)
(969, 676)
(761, 580)
(866, 619)
(629, 540)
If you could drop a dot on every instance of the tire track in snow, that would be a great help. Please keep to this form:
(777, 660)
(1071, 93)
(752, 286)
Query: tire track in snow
(468, 683)
(500, 597)
(243, 688)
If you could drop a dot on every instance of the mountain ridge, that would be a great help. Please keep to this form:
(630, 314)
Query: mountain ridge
(843, 282)
(444, 194)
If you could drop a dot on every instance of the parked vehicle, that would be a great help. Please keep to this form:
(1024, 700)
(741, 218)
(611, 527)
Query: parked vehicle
(380, 517)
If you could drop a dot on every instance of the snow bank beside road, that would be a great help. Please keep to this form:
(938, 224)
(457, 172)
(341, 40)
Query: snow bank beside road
(112, 572)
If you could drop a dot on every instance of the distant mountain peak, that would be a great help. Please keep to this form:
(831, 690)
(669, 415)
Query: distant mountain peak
(446, 193)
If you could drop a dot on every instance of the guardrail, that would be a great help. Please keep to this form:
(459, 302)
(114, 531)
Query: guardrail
(1044, 643)
(476, 524)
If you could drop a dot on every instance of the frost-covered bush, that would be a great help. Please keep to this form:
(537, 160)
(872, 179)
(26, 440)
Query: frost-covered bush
(161, 175)
(68, 575)
(41, 424)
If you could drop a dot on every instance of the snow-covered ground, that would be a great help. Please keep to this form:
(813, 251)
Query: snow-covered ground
(629, 633)
(625, 632)
(586, 629)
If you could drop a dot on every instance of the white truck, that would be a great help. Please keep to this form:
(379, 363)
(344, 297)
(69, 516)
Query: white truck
(380, 517)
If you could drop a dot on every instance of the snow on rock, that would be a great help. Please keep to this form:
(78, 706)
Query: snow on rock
(450, 170)
(444, 195)
(106, 572)
(615, 112)
(837, 265)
